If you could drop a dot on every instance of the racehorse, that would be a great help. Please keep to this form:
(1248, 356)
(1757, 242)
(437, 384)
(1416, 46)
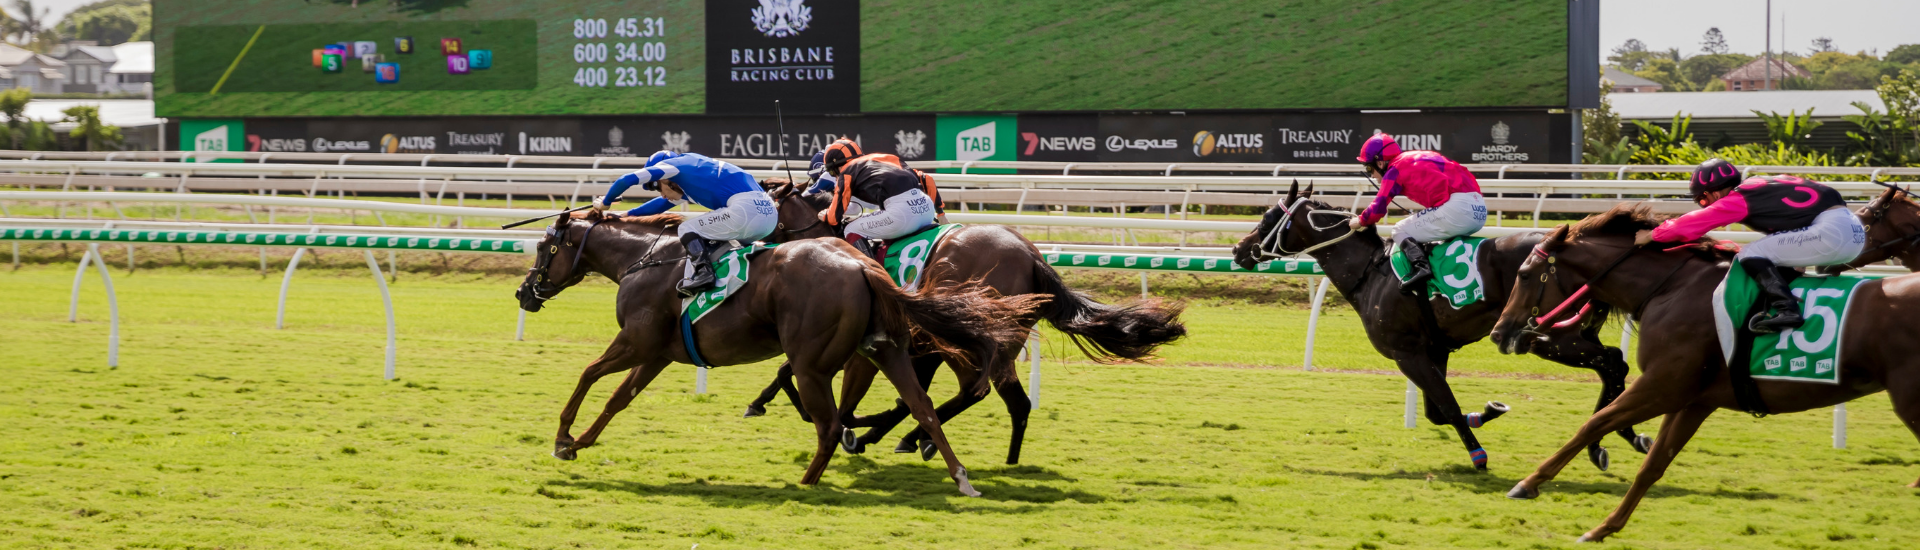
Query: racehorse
(1009, 264)
(1417, 334)
(1893, 229)
(1683, 373)
(817, 301)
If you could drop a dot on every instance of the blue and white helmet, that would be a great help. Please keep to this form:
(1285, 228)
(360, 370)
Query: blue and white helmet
(656, 159)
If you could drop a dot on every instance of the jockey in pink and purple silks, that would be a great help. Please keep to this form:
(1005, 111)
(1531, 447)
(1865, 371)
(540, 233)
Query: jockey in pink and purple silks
(1449, 192)
(1807, 224)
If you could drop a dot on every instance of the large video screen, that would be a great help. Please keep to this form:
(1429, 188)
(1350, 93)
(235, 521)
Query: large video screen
(380, 58)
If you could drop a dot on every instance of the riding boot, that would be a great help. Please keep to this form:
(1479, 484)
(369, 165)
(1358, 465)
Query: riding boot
(1785, 309)
(700, 253)
(864, 246)
(1416, 254)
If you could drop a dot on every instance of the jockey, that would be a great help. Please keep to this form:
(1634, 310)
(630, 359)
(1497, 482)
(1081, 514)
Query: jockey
(898, 201)
(739, 209)
(1449, 192)
(817, 170)
(1806, 224)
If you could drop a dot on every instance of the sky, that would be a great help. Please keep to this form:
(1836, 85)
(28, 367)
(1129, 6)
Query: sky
(1854, 25)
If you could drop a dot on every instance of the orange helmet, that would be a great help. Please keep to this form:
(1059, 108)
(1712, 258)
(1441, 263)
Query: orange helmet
(838, 153)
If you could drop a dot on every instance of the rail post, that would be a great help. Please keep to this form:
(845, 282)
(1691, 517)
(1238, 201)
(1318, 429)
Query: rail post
(1313, 318)
(1626, 338)
(385, 297)
(1033, 374)
(73, 305)
(1840, 426)
(1413, 397)
(520, 329)
(113, 307)
(699, 381)
(280, 317)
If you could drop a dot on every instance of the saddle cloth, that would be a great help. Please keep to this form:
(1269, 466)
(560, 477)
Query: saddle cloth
(729, 276)
(1456, 270)
(1810, 353)
(907, 256)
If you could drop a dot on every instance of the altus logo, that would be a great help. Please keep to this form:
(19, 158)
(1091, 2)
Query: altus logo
(1207, 143)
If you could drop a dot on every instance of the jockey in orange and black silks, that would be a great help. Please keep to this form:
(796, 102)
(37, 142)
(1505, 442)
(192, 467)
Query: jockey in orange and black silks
(893, 201)
(1806, 224)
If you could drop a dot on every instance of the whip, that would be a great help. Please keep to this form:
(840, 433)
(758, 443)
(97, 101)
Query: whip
(531, 220)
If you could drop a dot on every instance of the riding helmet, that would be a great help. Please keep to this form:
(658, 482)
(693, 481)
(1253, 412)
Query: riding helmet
(1714, 175)
(1380, 146)
(838, 153)
(656, 159)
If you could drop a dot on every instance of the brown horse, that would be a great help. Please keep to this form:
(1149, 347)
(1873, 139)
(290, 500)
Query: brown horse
(1418, 334)
(818, 302)
(1006, 262)
(1684, 375)
(1893, 230)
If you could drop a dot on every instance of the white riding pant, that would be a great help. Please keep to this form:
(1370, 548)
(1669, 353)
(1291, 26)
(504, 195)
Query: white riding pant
(747, 217)
(898, 217)
(1462, 215)
(1836, 237)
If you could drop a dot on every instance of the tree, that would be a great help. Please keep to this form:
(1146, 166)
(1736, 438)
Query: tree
(1712, 42)
(1704, 70)
(30, 27)
(1904, 54)
(1665, 71)
(1821, 44)
(110, 22)
(13, 104)
(92, 134)
(1601, 128)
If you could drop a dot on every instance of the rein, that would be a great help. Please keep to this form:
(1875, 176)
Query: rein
(1553, 269)
(1272, 246)
(644, 263)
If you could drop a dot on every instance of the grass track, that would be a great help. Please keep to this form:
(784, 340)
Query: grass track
(221, 432)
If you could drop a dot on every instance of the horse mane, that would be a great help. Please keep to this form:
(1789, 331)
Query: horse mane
(1626, 219)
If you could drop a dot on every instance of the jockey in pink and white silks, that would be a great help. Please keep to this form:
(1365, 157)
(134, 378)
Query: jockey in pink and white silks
(1451, 195)
(1807, 224)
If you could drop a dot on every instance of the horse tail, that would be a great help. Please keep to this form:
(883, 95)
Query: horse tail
(969, 323)
(1106, 333)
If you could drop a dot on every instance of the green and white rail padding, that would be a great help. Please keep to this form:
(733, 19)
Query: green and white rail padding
(1191, 264)
(245, 238)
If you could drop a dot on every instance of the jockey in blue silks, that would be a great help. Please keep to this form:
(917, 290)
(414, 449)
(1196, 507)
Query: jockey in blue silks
(739, 209)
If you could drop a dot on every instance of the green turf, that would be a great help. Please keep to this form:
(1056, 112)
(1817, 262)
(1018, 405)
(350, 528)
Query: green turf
(1156, 54)
(219, 432)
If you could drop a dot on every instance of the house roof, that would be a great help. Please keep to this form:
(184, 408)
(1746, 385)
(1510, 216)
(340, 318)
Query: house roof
(1741, 105)
(134, 57)
(1622, 78)
(102, 53)
(1757, 70)
(125, 113)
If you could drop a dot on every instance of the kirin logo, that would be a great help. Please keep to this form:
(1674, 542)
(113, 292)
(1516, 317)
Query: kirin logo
(782, 18)
(910, 145)
(675, 142)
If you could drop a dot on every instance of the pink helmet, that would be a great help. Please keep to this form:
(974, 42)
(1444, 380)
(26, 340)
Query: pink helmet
(1379, 146)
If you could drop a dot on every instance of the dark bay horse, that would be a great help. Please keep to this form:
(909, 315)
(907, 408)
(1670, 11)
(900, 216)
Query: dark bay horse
(1684, 375)
(1893, 231)
(1419, 335)
(1005, 261)
(817, 302)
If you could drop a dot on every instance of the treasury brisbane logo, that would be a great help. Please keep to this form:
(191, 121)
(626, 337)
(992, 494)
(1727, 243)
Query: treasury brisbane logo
(1207, 143)
(782, 18)
(909, 145)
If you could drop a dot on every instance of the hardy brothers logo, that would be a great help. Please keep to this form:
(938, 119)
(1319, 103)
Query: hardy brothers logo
(1207, 143)
(1500, 151)
(616, 144)
(782, 18)
(406, 144)
(1058, 143)
(323, 145)
(1117, 144)
(909, 145)
(677, 143)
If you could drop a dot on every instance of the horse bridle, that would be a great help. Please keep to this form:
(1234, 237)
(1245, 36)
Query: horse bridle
(1535, 320)
(796, 191)
(541, 267)
(1878, 213)
(1273, 245)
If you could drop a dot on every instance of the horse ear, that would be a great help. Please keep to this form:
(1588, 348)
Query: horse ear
(1309, 188)
(1292, 193)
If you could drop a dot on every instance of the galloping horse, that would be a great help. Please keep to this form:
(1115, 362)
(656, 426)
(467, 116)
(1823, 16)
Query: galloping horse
(1415, 333)
(1684, 374)
(818, 302)
(1893, 231)
(1006, 262)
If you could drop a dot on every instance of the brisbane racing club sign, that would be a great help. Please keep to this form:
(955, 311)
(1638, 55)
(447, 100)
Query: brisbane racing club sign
(804, 53)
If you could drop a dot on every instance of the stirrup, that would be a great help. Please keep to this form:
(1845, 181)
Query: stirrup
(1775, 323)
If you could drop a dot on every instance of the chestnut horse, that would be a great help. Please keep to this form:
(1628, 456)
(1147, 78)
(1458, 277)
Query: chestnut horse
(1006, 262)
(817, 302)
(1418, 334)
(1893, 231)
(1683, 373)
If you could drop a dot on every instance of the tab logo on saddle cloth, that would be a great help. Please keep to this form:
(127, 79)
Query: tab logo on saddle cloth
(1810, 353)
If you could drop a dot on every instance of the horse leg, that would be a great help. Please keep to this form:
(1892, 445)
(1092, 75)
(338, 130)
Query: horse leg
(816, 394)
(924, 368)
(917, 439)
(1639, 403)
(853, 388)
(622, 396)
(618, 357)
(1018, 408)
(782, 381)
(1442, 409)
(1905, 391)
(893, 362)
(1678, 428)
(1585, 352)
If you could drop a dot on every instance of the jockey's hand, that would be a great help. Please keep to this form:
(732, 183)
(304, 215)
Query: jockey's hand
(600, 204)
(1356, 224)
(1642, 237)
(823, 216)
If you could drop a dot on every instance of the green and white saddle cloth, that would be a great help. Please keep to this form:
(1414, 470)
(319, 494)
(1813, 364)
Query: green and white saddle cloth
(1810, 353)
(907, 256)
(1456, 270)
(729, 276)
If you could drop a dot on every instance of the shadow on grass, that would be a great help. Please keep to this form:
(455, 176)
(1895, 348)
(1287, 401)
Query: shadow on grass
(874, 485)
(1488, 482)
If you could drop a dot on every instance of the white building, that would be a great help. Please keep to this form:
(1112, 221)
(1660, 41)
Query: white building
(21, 68)
(133, 70)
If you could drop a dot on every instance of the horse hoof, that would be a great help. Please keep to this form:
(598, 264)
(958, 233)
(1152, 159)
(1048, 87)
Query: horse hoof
(1521, 492)
(851, 442)
(906, 445)
(1643, 443)
(1479, 457)
(927, 450)
(966, 488)
(565, 454)
(755, 410)
(1599, 457)
(1590, 537)
(1494, 410)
